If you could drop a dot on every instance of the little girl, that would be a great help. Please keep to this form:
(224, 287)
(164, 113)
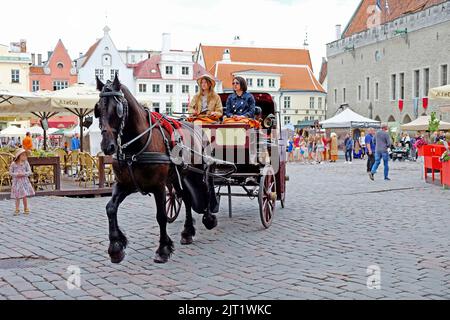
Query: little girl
(20, 171)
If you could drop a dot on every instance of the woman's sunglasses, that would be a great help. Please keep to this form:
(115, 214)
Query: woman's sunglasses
(235, 83)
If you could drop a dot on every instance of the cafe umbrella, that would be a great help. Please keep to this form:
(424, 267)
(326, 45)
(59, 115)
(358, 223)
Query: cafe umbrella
(441, 93)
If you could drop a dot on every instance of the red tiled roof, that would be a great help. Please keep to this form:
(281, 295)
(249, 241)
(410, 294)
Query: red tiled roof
(143, 70)
(323, 71)
(292, 78)
(397, 8)
(90, 52)
(213, 54)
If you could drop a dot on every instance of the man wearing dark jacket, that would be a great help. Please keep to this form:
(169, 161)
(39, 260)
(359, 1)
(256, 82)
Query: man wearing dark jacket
(383, 143)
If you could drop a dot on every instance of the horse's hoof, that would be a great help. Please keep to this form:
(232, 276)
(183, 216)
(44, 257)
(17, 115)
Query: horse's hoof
(185, 241)
(161, 259)
(210, 221)
(118, 257)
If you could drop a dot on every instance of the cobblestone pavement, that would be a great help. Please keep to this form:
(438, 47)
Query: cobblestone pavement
(337, 223)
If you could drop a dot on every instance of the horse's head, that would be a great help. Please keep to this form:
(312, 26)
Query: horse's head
(111, 110)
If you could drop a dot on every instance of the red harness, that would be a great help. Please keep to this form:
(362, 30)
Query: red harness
(169, 124)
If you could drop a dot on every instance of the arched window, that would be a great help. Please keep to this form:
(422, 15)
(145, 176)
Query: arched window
(407, 119)
(60, 65)
(391, 119)
(107, 60)
(377, 118)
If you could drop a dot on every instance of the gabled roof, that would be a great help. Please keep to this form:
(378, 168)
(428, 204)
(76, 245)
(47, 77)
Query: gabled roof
(299, 78)
(397, 8)
(213, 54)
(323, 71)
(89, 53)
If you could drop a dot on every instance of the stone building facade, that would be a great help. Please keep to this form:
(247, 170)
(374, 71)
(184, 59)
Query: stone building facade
(375, 70)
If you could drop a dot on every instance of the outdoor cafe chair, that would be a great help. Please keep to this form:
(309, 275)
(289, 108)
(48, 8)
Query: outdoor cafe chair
(89, 169)
(5, 178)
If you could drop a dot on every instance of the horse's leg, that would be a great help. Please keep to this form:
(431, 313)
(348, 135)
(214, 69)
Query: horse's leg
(210, 220)
(166, 248)
(189, 225)
(118, 241)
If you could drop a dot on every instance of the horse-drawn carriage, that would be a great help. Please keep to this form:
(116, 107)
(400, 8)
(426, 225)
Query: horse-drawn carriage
(260, 158)
(147, 160)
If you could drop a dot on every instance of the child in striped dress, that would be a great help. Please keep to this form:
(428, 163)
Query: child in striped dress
(20, 172)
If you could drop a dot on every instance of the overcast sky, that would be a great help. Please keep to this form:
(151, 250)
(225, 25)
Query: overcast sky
(139, 24)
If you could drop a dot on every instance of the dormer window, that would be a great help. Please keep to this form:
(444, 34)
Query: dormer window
(106, 60)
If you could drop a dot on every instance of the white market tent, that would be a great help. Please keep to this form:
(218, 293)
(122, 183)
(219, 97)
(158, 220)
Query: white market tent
(13, 132)
(349, 119)
(422, 124)
(441, 93)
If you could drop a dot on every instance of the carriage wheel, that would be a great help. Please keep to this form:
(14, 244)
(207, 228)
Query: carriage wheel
(173, 204)
(267, 197)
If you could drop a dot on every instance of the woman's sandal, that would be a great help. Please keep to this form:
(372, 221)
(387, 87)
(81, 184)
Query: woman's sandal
(17, 212)
(26, 211)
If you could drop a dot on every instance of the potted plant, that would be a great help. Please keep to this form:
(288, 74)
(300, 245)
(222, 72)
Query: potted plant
(445, 159)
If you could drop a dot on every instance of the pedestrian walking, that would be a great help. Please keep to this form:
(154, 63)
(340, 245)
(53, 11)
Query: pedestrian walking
(370, 149)
(383, 143)
(348, 149)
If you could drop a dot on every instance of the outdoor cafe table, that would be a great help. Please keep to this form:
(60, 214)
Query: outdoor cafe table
(48, 162)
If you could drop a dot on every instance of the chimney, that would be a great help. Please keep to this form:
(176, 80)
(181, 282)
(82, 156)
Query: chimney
(39, 63)
(166, 42)
(33, 59)
(338, 31)
(226, 56)
(23, 45)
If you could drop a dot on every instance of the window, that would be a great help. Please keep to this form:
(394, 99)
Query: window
(59, 85)
(287, 102)
(196, 88)
(426, 81)
(393, 87)
(169, 106)
(106, 60)
(185, 89)
(377, 91)
(307, 111)
(133, 58)
(15, 76)
(184, 108)
(99, 74)
(287, 120)
(402, 86)
(156, 106)
(312, 103)
(444, 75)
(359, 93)
(344, 95)
(249, 82)
(367, 88)
(272, 83)
(169, 70)
(417, 84)
(155, 88)
(319, 102)
(60, 65)
(335, 96)
(169, 88)
(260, 83)
(142, 87)
(35, 85)
(185, 71)
(113, 73)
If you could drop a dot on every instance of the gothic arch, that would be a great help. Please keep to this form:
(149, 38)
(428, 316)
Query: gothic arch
(407, 119)
(377, 118)
(391, 119)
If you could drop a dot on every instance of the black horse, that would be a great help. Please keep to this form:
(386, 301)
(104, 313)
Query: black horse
(142, 163)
